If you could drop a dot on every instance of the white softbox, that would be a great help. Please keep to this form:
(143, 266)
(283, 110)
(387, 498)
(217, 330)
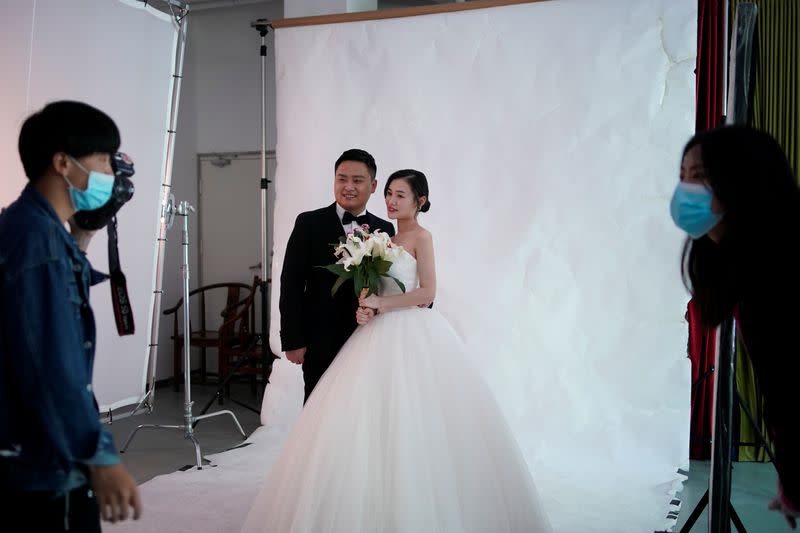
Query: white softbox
(119, 57)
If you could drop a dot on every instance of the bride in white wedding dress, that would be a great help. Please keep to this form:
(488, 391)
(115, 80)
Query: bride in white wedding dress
(401, 434)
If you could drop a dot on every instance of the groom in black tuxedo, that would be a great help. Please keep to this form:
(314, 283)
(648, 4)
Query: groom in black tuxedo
(314, 324)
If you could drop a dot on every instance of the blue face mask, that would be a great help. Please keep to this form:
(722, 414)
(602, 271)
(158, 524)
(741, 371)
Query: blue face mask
(97, 193)
(691, 209)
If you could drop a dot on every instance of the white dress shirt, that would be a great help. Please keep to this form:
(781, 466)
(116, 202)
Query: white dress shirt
(352, 225)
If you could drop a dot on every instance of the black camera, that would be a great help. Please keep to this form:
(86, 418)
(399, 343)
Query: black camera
(121, 193)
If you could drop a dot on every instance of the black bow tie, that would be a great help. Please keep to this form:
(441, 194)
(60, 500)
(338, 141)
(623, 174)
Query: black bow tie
(349, 218)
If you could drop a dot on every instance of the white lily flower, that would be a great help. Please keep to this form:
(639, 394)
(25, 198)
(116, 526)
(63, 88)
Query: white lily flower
(353, 252)
(379, 242)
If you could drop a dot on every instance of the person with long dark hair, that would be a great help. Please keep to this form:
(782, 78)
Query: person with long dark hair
(739, 202)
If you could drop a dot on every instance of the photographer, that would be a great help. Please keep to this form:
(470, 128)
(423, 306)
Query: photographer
(58, 464)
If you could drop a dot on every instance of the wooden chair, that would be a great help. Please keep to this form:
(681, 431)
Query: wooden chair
(239, 348)
(202, 337)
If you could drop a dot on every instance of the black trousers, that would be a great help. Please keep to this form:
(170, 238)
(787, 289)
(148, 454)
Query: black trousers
(76, 511)
(321, 351)
(315, 364)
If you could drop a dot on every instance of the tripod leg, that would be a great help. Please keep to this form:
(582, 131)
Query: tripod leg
(753, 423)
(736, 520)
(242, 360)
(198, 456)
(225, 412)
(144, 402)
(698, 510)
(144, 426)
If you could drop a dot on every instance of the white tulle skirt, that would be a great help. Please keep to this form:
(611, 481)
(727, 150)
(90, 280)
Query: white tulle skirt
(401, 434)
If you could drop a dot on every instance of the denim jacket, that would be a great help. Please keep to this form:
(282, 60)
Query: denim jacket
(50, 428)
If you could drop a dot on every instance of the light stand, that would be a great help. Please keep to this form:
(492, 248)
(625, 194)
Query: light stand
(721, 511)
(263, 26)
(717, 497)
(189, 420)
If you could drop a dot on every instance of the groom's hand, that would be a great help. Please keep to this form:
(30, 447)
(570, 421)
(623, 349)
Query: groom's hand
(296, 356)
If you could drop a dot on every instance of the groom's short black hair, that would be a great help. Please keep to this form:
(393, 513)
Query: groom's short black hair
(362, 156)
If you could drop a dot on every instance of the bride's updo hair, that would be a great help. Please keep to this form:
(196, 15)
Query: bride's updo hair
(418, 183)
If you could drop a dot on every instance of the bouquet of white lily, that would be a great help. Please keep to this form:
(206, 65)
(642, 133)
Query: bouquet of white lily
(364, 257)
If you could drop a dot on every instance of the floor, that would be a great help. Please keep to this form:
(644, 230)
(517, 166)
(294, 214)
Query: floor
(153, 452)
(752, 488)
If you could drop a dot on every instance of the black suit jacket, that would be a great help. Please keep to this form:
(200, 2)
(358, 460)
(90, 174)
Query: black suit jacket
(310, 316)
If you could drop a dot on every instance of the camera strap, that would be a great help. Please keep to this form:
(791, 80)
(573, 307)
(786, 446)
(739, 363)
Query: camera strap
(123, 313)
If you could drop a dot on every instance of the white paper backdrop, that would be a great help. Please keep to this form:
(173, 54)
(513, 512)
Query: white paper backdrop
(119, 57)
(551, 134)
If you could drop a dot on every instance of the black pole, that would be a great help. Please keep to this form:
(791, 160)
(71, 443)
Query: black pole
(719, 519)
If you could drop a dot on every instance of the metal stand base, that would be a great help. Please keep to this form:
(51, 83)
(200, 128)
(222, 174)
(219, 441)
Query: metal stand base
(145, 402)
(188, 428)
(189, 420)
(699, 510)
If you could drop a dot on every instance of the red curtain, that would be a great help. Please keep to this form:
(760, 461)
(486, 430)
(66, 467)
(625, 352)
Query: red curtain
(710, 74)
(709, 113)
(701, 353)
